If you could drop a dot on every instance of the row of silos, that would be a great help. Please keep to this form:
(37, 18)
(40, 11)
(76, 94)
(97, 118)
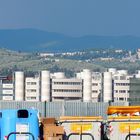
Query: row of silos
(20, 85)
(85, 75)
(108, 83)
(45, 84)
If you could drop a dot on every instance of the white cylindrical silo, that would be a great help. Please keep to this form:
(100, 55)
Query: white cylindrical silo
(112, 70)
(45, 86)
(19, 86)
(87, 85)
(78, 75)
(107, 86)
(138, 74)
(138, 71)
(123, 72)
(59, 75)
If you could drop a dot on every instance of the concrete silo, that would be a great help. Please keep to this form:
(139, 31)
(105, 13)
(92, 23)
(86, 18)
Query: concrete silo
(123, 72)
(59, 75)
(107, 86)
(87, 85)
(19, 85)
(45, 86)
(112, 70)
(138, 74)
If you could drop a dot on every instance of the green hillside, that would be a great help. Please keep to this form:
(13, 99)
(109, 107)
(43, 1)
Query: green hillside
(11, 61)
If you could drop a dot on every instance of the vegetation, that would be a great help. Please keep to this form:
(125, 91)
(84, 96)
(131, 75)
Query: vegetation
(11, 61)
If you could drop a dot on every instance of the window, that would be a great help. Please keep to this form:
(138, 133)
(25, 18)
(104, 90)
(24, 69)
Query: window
(67, 83)
(31, 90)
(116, 78)
(94, 91)
(122, 91)
(66, 90)
(31, 83)
(22, 113)
(31, 98)
(95, 84)
(122, 84)
(121, 99)
(122, 77)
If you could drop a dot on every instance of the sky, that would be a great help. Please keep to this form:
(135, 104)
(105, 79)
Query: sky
(73, 17)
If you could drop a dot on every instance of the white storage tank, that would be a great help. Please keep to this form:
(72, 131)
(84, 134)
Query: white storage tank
(87, 85)
(112, 70)
(79, 75)
(19, 86)
(107, 86)
(123, 72)
(45, 85)
(138, 74)
(59, 75)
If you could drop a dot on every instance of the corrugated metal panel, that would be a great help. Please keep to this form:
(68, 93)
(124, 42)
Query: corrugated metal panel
(119, 103)
(10, 105)
(75, 109)
(97, 109)
(22, 105)
(54, 109)
(57, 109)
(35, 105)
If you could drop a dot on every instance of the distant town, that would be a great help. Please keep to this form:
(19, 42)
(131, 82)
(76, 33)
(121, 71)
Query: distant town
(98, 54)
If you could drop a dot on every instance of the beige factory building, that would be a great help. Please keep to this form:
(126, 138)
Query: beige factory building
(87, 86)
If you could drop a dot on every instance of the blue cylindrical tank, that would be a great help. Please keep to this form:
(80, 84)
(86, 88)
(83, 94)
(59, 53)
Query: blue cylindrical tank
(19, 121)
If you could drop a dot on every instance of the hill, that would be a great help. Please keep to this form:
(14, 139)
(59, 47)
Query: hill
(32, 40)
(31, 63)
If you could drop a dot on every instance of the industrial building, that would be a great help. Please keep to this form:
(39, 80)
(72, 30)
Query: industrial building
(87, 86)
(121, 86)
(66, 89)
(134, 95)
(32, 87)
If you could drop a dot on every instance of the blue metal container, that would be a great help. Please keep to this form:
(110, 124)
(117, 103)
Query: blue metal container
(19, 124)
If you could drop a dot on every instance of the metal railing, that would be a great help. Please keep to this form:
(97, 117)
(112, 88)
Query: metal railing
(81, 134)
(129, 136)
(22, 133)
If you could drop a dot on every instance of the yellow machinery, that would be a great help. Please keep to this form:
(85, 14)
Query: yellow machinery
(123, 122)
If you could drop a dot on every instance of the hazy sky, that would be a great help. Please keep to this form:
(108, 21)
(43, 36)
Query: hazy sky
(73, 17)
